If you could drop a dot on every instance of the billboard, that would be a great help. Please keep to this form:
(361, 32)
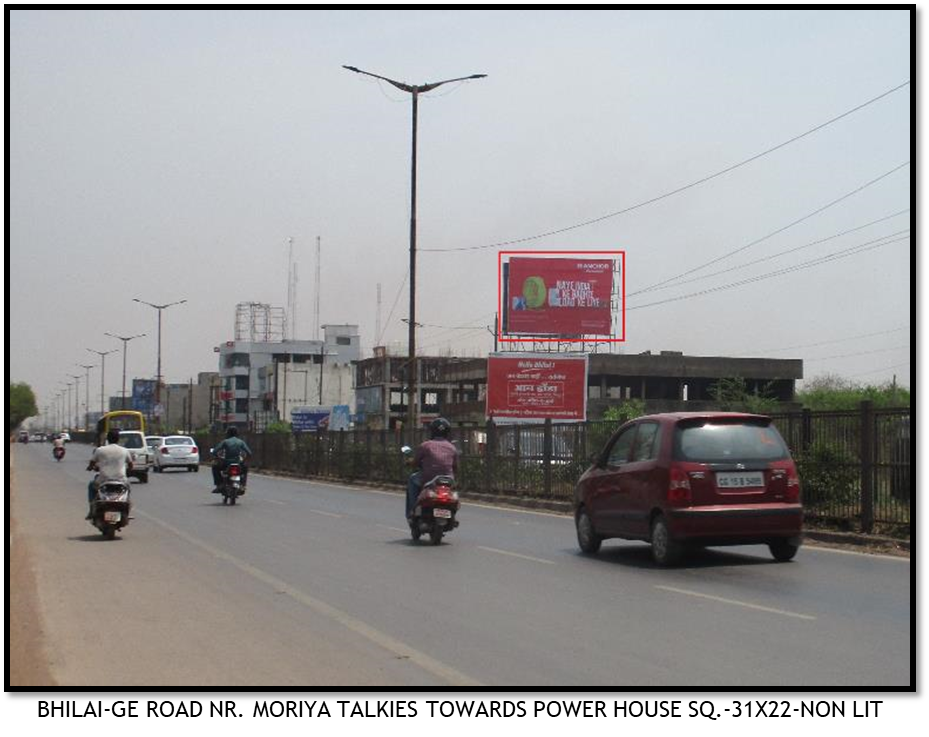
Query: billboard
(143, 395)
(562, 297)
(537, 386)
(310, 419)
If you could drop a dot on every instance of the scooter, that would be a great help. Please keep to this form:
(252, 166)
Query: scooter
(58, 452)
(110, 509)
(436, 507)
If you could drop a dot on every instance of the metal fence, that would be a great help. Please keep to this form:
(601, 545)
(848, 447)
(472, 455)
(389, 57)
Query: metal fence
(855, 466)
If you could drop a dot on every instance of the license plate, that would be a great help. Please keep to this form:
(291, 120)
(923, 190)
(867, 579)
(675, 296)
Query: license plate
(740, 480)
(442, 513)
(112, 516)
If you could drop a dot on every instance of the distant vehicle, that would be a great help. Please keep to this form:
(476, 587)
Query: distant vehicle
(134, 441)
(65, 436)
(177, 451)
(23, 436)
(121, 420)
(154, 443)
(692, 479)
(37, 437)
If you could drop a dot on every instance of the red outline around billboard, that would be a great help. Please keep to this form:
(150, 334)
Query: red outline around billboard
(503, 337)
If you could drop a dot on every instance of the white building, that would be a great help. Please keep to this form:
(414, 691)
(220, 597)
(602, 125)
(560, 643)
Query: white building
(262, 381)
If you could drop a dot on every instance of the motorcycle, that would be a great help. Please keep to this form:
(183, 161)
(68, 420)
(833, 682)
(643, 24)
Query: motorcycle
(436, 508)
(58, 453)
(231, 487)
(232, 483)
(110, 508)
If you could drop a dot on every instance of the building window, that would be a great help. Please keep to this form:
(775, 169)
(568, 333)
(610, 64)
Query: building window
(236, 359)
(241, 382)
(343, 340)
(241, 406)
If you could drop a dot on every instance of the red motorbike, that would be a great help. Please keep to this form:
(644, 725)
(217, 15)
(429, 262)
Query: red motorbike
(58, 452)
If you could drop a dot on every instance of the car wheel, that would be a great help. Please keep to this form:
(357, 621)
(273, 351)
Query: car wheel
(783, 550)
(665, 550)
(196, 469)
(143, 477)
(587, 538)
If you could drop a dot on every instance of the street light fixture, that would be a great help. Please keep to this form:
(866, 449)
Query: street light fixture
(77, 399)
(87, 368)
(158, 378)
(415, 90)
(125, 339)
(103, 355)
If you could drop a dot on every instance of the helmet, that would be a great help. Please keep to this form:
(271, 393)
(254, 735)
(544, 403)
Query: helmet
(232, 432)
(439, 428)
(112, 436)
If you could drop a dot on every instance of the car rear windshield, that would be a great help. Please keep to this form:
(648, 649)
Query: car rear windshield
(130, 441)
(179, 441)
(725, 442)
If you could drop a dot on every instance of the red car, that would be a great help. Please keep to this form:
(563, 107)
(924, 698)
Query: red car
(692, 479)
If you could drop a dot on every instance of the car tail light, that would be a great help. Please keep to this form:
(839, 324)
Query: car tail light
(678, 485)
(194, 449)
(793, 484)
(164, 450)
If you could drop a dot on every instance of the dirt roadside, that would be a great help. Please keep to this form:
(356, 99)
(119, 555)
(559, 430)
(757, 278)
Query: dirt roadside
(27, 658)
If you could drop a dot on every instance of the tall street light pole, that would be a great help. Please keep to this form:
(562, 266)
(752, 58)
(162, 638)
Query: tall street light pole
(87, 368)
(158, 378)
(103, 355)
(67, 405)
(77, 399)
(125, 339)
(415, 90)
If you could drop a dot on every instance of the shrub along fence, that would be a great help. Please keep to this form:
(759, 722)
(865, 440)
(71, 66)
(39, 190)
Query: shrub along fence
(855, 466)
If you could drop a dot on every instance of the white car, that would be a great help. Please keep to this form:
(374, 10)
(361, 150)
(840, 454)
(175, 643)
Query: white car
(66, 436)
(179, 451)
(134, 442)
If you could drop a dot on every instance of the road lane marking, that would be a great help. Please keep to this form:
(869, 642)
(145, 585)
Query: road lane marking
(516, 555)
(327, 514)
(811, 545)
(382, 639)
(274, 501)
(735, 602)
(395, 529)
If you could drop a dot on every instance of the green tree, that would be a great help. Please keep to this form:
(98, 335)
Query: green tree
(22, 405)
(733, 394)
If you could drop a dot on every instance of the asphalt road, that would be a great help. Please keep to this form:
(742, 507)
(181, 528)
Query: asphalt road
(308, 584)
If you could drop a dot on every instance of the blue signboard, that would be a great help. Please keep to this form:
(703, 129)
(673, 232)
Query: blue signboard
(310, 419)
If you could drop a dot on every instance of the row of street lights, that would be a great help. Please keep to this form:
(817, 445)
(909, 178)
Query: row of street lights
(62, 413)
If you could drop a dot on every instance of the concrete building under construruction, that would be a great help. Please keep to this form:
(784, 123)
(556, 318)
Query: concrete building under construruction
(456, 388)
(261, 381)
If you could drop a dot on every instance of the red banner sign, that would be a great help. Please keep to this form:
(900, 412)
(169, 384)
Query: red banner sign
(536, 386)
(559, 296)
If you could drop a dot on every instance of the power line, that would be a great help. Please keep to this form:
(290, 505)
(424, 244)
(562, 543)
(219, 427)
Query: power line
(766, 258)
(860, 353)
(877, 371)
(854, 250)
(776, 232)
(683, 188)
(832, 342)
(393, 307)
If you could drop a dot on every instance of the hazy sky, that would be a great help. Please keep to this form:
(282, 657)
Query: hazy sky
(169, 155)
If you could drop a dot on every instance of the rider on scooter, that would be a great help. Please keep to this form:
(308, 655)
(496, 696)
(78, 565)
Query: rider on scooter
(112, 462)
(436, 457)
(231, 450)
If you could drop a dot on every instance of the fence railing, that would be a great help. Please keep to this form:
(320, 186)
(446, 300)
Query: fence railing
(855, 466)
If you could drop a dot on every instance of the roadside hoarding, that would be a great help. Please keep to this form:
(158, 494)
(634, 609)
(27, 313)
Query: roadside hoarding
(310, 419)
(143, 395)
(537, 386)
(564, 297)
